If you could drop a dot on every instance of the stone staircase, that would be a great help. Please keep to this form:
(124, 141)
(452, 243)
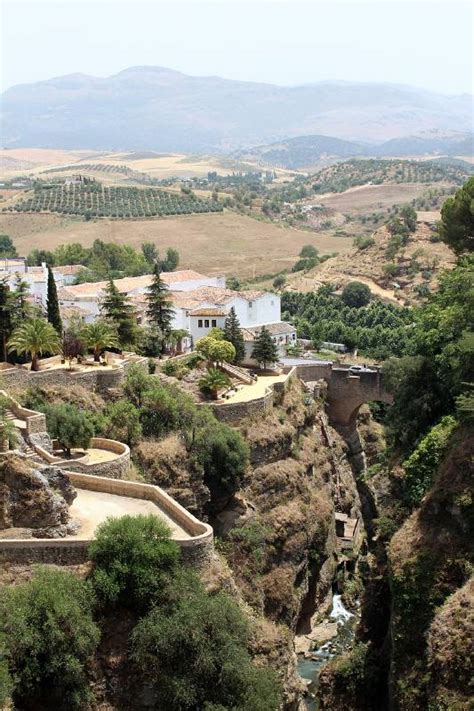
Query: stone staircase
(236, 372)
(20, 425)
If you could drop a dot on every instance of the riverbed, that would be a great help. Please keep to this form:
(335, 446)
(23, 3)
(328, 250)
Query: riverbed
(309, 668)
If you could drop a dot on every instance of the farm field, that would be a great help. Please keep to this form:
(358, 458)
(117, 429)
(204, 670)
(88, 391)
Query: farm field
(371, 198)
(211, 243)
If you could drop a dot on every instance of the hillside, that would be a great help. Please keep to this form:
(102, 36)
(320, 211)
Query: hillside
(308, 151)
(352, 173)
(415, 267)
(143, 108)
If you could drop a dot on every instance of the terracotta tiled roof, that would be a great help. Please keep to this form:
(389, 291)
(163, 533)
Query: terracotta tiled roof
(128, 284)
(213, 311)
(69, 269)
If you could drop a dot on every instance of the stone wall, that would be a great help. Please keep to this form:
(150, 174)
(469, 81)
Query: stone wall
(236, 411)
(117, 468)
(196, 550)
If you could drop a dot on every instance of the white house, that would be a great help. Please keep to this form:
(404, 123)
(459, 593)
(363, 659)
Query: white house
(282, 333)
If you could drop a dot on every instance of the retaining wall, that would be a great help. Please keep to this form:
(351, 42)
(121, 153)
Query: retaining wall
(195, 550)
(115, 468)
(236, 411)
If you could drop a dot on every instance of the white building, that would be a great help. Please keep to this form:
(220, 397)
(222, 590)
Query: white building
(282, 333)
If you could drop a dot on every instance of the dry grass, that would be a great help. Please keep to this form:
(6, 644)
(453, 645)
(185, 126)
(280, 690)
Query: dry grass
(372, 198)
(217, 243)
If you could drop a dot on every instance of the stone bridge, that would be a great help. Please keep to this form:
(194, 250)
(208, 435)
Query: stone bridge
(346, 391)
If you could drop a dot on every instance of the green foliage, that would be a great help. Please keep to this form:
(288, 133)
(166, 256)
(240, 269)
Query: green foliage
(34, 337)
(356, 294)
(216, 351)
(223, 455)
(159, 305)
(165, 409)
(7, 248)
(308, 252)
(363, 242)
(379, 330)
(175, 369)
(69, 425)
(233, 334)
(117, 308)
(232, 282)
(422, 464)
(52, 303)
(213, 381)
(457, 219)
(304, 264)
(49, 637)
(98, 336)
(209, 668)
(134, 562)
(265, 351)
(95, 200)
(279, 281)
(123, 422)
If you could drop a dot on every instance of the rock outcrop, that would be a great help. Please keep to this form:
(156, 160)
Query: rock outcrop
(34, 500)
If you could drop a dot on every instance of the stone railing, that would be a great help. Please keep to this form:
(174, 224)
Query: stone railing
(94, 377)
(34, 421)
(195, 549)
(236, 411)
(116, 468)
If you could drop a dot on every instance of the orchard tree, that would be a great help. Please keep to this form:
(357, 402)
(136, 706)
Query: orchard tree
(356, 294)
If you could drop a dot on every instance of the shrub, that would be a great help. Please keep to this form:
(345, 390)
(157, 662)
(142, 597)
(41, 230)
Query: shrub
(70, 426)
(123, 422)
(213, 381)
(223, 454)
(50, 636)
(421, 465)
(195, 656)
(134, 561)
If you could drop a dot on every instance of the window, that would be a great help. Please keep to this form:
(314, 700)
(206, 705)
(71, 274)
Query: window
(250, 304)
(214, 323)
(206, 323)
(200, 323)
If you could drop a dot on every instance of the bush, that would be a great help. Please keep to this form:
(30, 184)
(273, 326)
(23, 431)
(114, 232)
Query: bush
(223, 454)
(50, 636)
(134, 562)
(421, 465)
(70, 426)
(356, 294)
(123, 422)
(195, 656)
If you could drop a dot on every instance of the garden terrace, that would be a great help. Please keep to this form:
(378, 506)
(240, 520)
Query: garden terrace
(95, 200)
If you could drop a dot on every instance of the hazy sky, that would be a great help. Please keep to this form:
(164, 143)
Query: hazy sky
(426, 44)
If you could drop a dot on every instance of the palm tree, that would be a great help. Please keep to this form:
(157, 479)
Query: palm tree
(98, 336)
(35, 336)
(213, 381)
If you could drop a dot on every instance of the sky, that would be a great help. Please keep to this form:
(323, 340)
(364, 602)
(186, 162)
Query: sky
(425, 44)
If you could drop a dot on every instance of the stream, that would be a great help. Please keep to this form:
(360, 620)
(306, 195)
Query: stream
(309, 668)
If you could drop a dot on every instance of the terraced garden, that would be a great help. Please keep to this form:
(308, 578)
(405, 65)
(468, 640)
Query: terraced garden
(96, 200)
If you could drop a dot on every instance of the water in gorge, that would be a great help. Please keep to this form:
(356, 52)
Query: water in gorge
(309, 668)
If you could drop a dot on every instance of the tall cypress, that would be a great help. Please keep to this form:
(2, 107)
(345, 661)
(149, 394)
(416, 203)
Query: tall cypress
(159, 311)
(233, 333)
(117, 308)
(52, 303)
(5, 317)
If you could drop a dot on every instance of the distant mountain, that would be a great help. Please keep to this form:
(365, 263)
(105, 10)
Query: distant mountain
(310, 151)
(153, 108)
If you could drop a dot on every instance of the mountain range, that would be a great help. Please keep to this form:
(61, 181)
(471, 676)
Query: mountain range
(154, 108)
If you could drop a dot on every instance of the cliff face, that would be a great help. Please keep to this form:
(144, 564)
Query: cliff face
(431, 559)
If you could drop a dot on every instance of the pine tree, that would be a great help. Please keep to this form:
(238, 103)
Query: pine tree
(5, 317)
(21, 308)
(52, 303)
(159, 306)
(116, 307)
(233, 333)
(264, 350)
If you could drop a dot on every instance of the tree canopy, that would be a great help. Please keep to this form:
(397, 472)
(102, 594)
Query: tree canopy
(457, 219)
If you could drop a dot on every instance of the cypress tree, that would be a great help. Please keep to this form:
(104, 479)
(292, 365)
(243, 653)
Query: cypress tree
(159, 306)
(117, 308)
(5, 317)
(52, 304)
(233, 333)
(264, 350)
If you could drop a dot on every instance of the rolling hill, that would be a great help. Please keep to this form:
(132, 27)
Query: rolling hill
(154, 108)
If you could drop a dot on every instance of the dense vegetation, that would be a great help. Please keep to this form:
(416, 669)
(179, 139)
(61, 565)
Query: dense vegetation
(96, 200)
(340, 177)
(106, 259)
(187, 648)
(378, 330)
